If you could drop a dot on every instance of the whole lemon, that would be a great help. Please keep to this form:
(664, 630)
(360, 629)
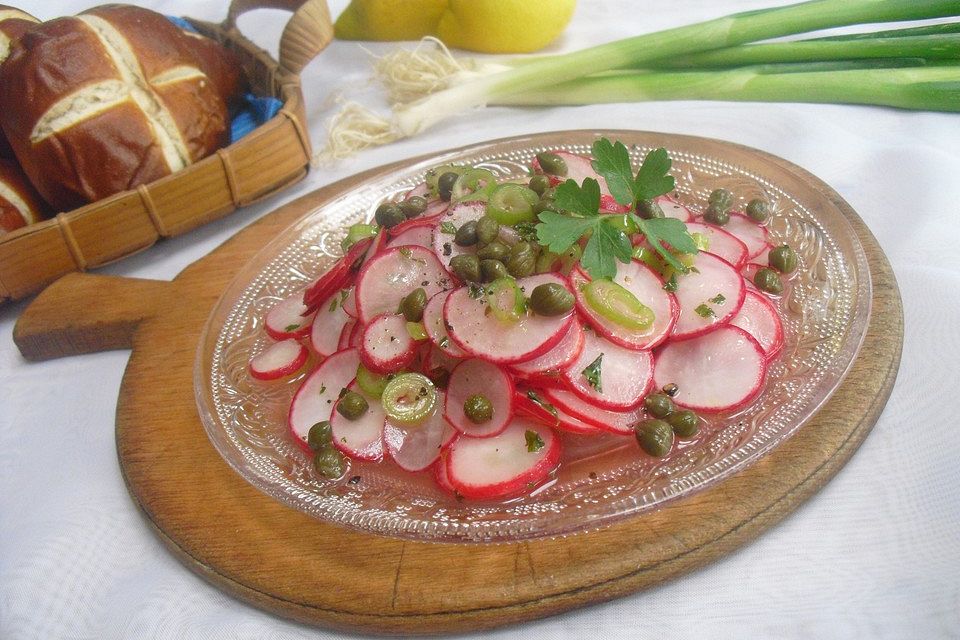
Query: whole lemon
(504, 26)
(389, 19)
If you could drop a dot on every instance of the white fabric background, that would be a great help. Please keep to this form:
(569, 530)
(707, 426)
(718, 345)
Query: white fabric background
(876, 554)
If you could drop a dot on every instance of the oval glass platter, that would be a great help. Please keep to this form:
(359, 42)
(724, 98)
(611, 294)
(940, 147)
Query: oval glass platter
(601, 479)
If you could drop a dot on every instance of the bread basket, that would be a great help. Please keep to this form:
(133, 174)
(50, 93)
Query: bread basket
(271, 158)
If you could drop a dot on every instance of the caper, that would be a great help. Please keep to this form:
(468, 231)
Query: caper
(654, 436)
(659, 405)
(487, 229)
(467, 234)
(412, 305)
(413, 206)
(684, 423)
(445, 184)
(478, 408)
(491, 270)
(547, 261)
(522, 260)
(758, 209)
(439, 376)
(539, 184)
(329, 463)
(466, 267)
(716, 216)
(720, 199)
(648, 209)
(552, 163)
(389, 215)
(671, 389)
(495, 250)
(783, 259)
(352, 405)
(551, 299)
(767, 280)
(544, 205)
(319, 435)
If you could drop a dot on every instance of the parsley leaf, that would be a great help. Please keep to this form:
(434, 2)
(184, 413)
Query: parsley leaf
(605, 246)
(652, 179)
(559, 232)
(612, 161)
(671, 284)
(592, 373)
(574, 198)
(668, 230)
(534, 441)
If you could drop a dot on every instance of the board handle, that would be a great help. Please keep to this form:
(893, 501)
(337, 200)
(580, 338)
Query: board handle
(309, 31)
(84, 313)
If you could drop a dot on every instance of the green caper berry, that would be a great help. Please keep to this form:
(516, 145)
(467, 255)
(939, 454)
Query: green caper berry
(352, 405)
(767, 280)
(551, 299)
(716, 216)
(319, 435)
(389, 215)
(478, 408)
(467, 234)
(413, 206)
(671, 389)
(539, 184)
(495, 250)
(684, 423)
(659, 405)
(758, 209)
(552, 163)
(439, 376)
(654, 436)
(544, 205)
(488, 229)
(521, 264)
(491, 270)
(445, 184)
(648, 209)
(329, 463)
(412, 305)
(783, 259)
(721, 199)
(466, 267)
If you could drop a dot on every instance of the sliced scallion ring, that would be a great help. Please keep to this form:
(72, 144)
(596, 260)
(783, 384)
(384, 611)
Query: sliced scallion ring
(618, 305)
(409, 399)
(506, 300)
(512, 203)
(473, 184)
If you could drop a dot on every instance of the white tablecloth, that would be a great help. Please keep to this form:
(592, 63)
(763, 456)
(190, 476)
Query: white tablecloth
(875, 554)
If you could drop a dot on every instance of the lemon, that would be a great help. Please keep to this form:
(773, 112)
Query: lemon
(504, 26)
(389, 19)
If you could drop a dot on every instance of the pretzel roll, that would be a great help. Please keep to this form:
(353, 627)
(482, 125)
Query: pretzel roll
(221, 65)
(107, 100)
(13, 24)
(20, 204)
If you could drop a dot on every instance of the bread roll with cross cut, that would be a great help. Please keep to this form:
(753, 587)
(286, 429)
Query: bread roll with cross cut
(20, 204)
(107, 100)
(13, 23)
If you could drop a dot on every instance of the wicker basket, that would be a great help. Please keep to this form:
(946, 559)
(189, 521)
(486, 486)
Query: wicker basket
(272, 157)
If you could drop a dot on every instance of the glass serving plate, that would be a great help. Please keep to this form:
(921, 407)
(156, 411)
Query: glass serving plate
(601, 479)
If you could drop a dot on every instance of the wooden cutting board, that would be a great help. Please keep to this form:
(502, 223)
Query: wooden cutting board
(288, 563)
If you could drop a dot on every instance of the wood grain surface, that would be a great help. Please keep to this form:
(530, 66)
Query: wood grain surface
(288, 563)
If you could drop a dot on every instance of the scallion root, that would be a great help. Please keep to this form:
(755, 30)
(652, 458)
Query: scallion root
(353, 129)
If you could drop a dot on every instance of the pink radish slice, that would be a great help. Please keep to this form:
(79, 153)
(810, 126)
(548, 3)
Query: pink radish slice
(572, 424)
(566, 351)
(673, 209)
(349, 303)
(416, 448)
(723, 244)
(338, 277)
(389, 277)
(435, 327)
(624, 374)
(361, 439)
(422, 190)
(530, 403)
(436, 358)
(473, 377)
(289, 318)
(578, 169)
(386, 345)
(435, 208)
(440, 473)
(313, 401)
(760, 319)
(278, 360)
(328, 326)
(720, 371)
(457, 215)
(763, 258)
(749, 232)
(644, 283)
(502, 465)
(614, 421)
(409, 225)
(715, 287)
(356, 335)
(484, 336)
(420, 236)
(609, 205)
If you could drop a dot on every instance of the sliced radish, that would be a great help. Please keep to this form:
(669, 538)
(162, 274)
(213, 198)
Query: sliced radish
(763, 258)
(361, 439)
(419, 236)
(614, 421)
(715, 288)
(422, 190)
(386, 345)
(409, 225)
(349, 303)
(344, 341)
(457, 215)
(329, 325)
(440, 473)
(313, 401)
(389, 277)
(278, 360)
(482, 335)
(753, 235)
(578, 169)
(337, 277)
(356, 335)
(504, 465)
(435, 358)
(478, 377)
(608, 204)
(624, 375)
(416, 448)
(566, 351)
(530, 403)
(722, 243)
(289, 318)
(720, 371)
(644, 283)
(573, 424)
(673, 209)
(435, 327)
(760, 319)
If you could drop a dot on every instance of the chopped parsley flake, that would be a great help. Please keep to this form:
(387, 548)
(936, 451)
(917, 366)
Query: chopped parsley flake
(534, 441)
(592, 373)
(704, 311)
(448, 228)
(718, 299)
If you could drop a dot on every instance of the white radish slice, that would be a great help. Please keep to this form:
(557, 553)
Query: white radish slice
(422, 190)
(278, 360)
(435, 327)
(566, 351)
(486, 468)
(435, 208)
(763, 258)
(328, 326)
(613, 421)
(644, 283)
(457, 215)
(482, 335)
(722, 243)
(313, 401)
(349, 303)
(361, 439)
(720, 371)
(286, 320)
(578, 169)
(760, 319)
(389, 277)
(440, 473)
(624, 374)
(356, 335)
(573, 424)
(673, 209)
(716, 288)
(436, 358)
(378, 247)
(749, 232)
(419, 236)
(414, 448)
(345, 333)
(386, 345)
(478, 377)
